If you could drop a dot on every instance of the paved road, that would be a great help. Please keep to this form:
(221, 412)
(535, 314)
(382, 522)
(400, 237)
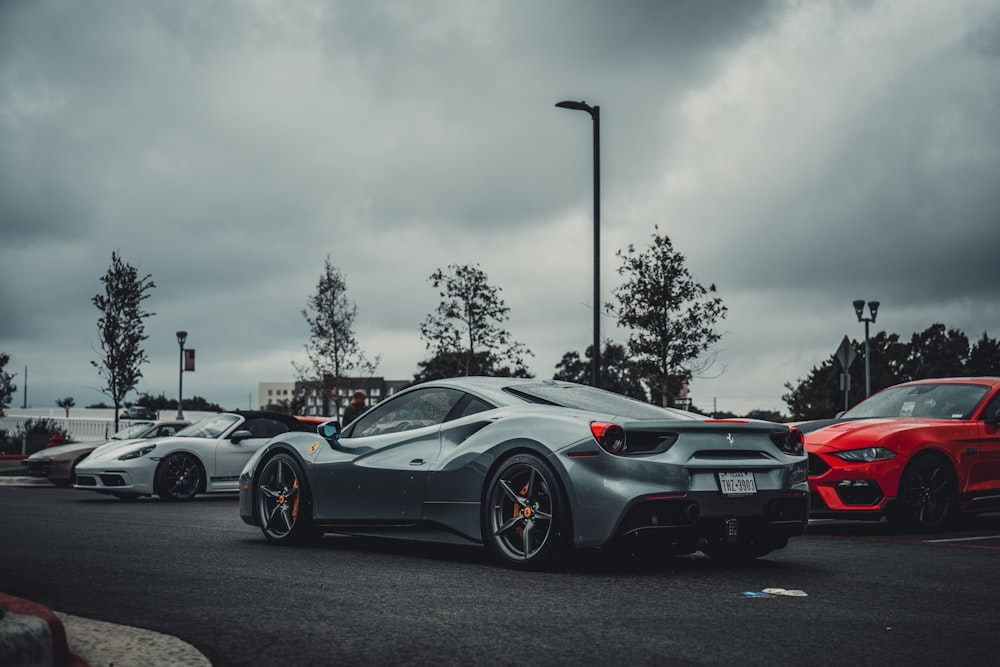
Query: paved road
(196, 572)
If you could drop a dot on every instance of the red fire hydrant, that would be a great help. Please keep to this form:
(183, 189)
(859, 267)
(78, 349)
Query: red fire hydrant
(56, 440)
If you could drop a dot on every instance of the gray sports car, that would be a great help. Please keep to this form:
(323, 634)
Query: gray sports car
(533, 468)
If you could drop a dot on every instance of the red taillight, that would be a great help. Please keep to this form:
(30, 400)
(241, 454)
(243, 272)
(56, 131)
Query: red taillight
(795, 442)
(611, 437)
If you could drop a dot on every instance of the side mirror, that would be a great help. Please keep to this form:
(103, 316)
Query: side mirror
(994, 418)
(239, 436)
(329, 430)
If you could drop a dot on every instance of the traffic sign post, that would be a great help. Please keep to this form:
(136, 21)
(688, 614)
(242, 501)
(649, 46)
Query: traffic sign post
(845, 355)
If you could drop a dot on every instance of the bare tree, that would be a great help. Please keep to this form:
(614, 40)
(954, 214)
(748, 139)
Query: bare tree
(121, 329)
(671, 316)
(467, 325)
(333, 350)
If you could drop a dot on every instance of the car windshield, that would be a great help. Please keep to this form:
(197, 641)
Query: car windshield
(210, 427)
(132, 432)
(587, 398)
(925, 401)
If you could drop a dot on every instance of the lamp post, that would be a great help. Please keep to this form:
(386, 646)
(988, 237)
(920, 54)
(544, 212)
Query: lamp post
(859, 310)
(181, 337)
(595, 114)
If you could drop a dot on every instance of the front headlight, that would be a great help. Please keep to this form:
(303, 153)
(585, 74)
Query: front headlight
(136, 453)
(866, 455)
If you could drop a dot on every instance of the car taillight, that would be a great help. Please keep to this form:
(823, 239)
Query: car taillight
(794, 442)
(611, 437)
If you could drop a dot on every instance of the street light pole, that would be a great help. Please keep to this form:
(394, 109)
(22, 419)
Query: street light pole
(595, 114)
(859, 310)
(181, 337)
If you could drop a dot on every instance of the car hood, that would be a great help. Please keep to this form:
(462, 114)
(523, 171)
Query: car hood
(842, 435)
(66, 450)
(113, 450)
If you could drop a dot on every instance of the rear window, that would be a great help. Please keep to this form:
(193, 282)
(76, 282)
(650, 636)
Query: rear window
(582, 397)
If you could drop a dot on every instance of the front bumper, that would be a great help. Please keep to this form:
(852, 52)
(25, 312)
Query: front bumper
(37, 467)
(852, 490)
(132, 479)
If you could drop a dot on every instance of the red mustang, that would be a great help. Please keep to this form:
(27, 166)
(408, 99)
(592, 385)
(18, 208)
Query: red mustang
(916, 453)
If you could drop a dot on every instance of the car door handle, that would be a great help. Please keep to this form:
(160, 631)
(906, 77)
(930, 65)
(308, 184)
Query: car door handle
(417, 462)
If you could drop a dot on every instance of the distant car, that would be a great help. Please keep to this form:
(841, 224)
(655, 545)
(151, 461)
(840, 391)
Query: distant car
(916, 453)
(205, 457)
(531, 468)
(59, 463)
(138, 412)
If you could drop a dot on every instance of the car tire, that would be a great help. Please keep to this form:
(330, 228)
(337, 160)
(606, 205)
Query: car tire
(927, 495)
(525, 514)
(283, 503)
(179, 477)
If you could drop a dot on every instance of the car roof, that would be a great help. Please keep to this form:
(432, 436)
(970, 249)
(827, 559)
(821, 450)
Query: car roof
(492, 387)
(993, 381)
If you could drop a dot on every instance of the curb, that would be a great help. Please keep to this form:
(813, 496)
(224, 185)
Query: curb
(31, 634)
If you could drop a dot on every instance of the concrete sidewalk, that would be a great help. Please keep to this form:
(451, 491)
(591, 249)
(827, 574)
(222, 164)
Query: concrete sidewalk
(31, 635)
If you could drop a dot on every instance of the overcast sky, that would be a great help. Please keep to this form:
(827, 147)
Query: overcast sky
(799, 154)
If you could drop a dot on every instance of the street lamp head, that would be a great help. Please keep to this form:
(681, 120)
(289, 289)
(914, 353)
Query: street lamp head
(859, 309)
(873, 306)
(181, 337)
(577, 106)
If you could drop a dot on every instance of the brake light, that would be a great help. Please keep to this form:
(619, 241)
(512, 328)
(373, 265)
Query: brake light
(794, 442)
(611, 437)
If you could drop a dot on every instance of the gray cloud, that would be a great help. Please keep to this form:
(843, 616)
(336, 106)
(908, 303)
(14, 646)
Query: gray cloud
(799, 155)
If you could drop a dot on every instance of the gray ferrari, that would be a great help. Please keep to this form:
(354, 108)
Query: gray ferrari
(533, 469)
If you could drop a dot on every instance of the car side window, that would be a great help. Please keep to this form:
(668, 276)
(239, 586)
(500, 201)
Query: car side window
(471, 406)
(264, 428)
(991, 409)
(415, 409)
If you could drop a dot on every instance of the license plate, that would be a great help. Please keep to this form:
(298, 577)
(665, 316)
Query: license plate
(737, 483)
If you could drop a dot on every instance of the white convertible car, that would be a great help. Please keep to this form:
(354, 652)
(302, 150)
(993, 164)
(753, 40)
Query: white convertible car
(205, 457)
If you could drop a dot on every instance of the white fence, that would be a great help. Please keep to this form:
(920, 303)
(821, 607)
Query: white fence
(84, 425)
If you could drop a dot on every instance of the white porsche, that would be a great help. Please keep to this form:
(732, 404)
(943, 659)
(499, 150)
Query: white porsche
(205, 457)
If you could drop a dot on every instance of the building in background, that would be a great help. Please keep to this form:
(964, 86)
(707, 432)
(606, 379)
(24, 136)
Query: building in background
(310, 399)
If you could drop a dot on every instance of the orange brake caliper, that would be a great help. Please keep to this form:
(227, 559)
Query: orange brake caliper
(295, 505)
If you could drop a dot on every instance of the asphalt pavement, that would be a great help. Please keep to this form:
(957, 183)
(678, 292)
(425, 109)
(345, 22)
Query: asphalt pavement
(32, 634)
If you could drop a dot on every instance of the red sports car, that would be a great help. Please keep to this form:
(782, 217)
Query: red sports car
(916, 453)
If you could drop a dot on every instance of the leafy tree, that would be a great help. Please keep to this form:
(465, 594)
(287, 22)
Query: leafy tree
(671, 316)
(66, 404)
(984, 357)
(7, 386)
(618, 373)
(936, 352)
(465, 333)
(121, 329)
(333, 350)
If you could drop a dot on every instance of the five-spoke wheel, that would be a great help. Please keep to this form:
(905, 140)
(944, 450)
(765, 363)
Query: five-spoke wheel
(283, 503)
(523, 513)
(927, 494)
(179, 477)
